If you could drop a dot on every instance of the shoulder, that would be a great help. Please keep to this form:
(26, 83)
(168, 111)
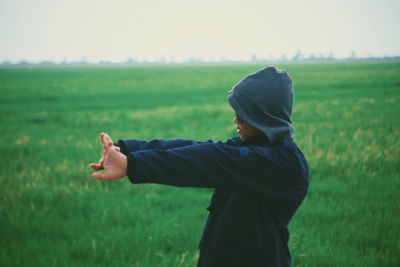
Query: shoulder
(285, 154)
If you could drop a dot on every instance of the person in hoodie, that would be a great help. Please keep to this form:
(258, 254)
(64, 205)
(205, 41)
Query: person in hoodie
(260, 178)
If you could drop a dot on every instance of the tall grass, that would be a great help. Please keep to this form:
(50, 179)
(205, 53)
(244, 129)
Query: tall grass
(52, 212)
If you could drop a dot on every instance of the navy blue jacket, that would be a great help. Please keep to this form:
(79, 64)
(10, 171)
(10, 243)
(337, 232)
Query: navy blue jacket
(258, 188)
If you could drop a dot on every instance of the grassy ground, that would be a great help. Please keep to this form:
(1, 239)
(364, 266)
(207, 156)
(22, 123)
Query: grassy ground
(53, 214)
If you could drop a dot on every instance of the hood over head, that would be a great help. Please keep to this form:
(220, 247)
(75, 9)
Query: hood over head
(264, 100)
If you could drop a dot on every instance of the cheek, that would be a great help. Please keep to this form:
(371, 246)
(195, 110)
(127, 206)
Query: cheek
(248, 130)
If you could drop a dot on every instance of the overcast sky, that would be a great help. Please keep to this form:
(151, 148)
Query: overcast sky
(57, 30)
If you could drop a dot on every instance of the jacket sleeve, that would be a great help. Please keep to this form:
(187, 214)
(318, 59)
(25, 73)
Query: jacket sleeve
(128, 146)
(215, 165)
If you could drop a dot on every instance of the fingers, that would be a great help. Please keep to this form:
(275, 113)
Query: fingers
(106, 140)
(99, 176)
(104, 176)
(96, 166)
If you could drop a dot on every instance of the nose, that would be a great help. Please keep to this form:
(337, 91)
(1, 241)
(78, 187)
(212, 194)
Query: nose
(235, 120)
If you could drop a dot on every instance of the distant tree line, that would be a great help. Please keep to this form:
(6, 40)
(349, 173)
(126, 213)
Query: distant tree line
(298, 57)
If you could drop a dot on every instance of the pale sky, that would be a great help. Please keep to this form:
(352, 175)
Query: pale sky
(114, 30)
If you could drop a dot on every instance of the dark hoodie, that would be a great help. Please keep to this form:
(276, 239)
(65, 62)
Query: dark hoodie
(259, 184)
(264, 99)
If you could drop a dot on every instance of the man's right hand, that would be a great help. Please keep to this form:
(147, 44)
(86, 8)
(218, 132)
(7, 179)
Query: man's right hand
(112, 161)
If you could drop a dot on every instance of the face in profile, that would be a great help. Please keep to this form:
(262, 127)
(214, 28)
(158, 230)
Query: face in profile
(245, 130)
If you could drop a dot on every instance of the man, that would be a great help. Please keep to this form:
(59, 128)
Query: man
(260, 178)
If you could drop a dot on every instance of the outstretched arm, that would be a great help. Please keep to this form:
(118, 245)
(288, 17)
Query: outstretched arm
(128, 146)
(112, 161)
(276, 171)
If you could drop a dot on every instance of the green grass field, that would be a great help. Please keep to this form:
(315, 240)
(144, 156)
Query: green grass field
(52, 213)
